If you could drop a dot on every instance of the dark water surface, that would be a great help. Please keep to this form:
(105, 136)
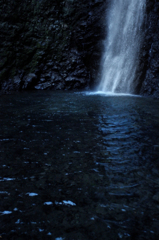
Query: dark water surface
(74, 166)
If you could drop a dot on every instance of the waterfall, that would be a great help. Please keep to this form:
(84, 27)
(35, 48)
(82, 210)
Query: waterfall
(122, 45)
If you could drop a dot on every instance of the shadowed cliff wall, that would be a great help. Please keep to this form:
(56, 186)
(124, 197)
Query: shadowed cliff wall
(149, 82)
(50, 44)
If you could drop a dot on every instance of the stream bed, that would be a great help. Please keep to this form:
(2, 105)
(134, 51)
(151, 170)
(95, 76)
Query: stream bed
(76, 166)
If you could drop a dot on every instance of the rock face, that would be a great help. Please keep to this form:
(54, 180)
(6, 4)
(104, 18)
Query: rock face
(149, 71)
(57, 44)
(50, 44)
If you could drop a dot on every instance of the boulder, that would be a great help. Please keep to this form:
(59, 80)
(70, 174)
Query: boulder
(12, 84)
(29, 81)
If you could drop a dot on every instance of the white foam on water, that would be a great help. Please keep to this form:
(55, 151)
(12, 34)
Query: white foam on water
(18, 221)
(64, 202)
(3, 192)
(69, 203)
(7, 179)
(109, 94)
(48, 203)
(6, 212)
(31, 194)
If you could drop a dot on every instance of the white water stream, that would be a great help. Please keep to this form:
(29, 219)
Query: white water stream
(122, 45)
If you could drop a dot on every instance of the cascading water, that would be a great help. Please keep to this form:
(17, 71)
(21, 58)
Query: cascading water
(124, 37)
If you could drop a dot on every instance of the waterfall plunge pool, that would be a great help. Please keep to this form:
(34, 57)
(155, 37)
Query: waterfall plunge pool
(111, 94)
(79, 166)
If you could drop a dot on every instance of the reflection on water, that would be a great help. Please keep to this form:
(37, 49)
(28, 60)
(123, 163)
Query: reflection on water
(77, 166)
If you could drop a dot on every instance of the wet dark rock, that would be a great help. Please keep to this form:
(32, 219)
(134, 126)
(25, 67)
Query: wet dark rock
(12, 84)
(29, 81)
(149, 71)
(61, 36)
(42, 86)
